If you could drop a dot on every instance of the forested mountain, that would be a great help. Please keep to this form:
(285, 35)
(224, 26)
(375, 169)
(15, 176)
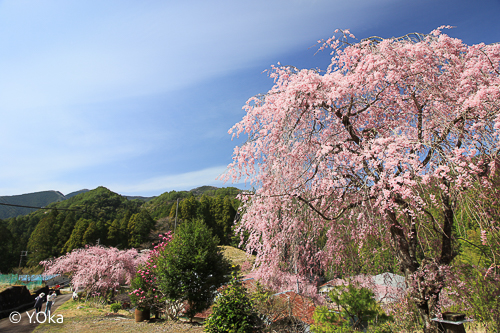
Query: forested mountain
(161, 206)
(72, 223)
(72, 194)
(37, 199)
(104, 217)
(215, 206)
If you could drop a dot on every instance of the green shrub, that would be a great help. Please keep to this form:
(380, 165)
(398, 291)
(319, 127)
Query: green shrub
(115, 307)
(356, 310)
(232, 311)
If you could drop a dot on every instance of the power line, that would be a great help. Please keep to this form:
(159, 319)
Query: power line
(22, 206)
(11, 210)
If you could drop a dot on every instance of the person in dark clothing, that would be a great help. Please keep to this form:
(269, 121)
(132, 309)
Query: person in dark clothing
(38, 302)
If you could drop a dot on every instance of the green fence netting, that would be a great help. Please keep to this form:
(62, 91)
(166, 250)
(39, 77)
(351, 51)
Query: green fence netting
(30, 281)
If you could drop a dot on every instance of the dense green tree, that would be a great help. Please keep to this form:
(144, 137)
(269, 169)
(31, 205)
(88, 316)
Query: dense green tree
(102, 231)
(217, 212)
(59, 221)
(114, 233)
(188, 208)
(7, 241)
(43, 239)
(22, 227)
(139, 226)
(192, 267)
(161, 206)
(223, 214)
(233, 311)
(227, 220)
(205, 211)
(65, 231)
(91, 235)
(356, 309)
(75, 241)
(173, 211)
(216, 209)
(124, 233)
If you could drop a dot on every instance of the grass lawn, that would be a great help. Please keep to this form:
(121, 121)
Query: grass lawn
(81, 317)
(236, 256)
(4, 286)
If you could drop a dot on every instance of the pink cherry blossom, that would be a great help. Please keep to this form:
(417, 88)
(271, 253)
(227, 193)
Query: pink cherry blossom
(340, 156)
(96, 268)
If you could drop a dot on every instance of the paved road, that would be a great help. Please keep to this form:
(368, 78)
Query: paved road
(24, 326)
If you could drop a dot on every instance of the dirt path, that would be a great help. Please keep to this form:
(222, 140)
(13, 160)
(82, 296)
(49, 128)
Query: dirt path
(24, 325)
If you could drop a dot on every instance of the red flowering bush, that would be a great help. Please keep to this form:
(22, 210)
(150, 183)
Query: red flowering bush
(145, 292)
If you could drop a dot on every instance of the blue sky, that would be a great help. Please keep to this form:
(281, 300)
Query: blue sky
(138, 96)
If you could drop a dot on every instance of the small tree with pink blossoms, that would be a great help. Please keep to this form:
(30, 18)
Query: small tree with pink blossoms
(97, 269)
(145, 291)
(381, 145)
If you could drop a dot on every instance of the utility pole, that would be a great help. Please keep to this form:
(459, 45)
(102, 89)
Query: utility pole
(176, 210)
(23, 254)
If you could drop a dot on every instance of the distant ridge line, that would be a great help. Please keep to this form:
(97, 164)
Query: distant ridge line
(24, 204)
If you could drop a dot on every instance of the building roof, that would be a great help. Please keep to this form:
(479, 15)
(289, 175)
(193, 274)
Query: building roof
(296, 305)
(387, 287)
(299, 306)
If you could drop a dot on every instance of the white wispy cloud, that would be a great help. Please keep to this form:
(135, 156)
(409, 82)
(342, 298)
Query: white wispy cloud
(127, 48)
(183, 181)
(120, 91)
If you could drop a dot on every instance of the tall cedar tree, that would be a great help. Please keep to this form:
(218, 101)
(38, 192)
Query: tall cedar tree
(42, 240)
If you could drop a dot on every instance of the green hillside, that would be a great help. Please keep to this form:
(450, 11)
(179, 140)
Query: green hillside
(37, 199)
(72, 194)
(104, 217)
(161, 206)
